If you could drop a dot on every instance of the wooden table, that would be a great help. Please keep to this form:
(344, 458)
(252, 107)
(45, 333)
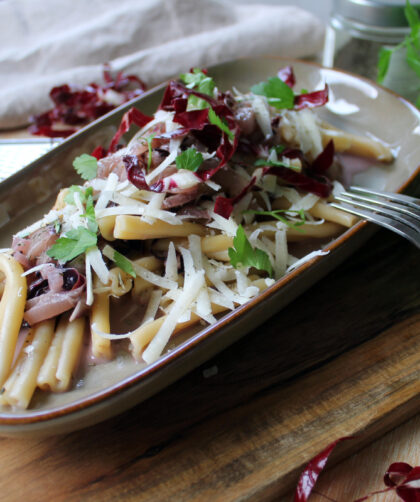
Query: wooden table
(245, 432)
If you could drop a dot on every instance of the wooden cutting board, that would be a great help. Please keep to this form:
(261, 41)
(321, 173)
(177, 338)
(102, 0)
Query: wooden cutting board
(344, 359)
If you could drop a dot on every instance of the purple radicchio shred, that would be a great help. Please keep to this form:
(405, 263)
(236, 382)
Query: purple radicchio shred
(224, 205)
(287, 75)
(324, 160)
(311, 99)
(310, 474)
(76, 106)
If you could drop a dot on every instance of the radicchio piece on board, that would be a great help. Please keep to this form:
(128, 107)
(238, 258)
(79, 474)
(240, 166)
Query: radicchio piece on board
(324, 160)
(133, 116)
(224, 205)
(320, 186)
(405, 480)
(77, 106)
(286, 74)
(311, 99)
(310, 475)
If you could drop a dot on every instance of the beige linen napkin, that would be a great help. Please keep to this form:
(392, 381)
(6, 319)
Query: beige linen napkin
(52, 42)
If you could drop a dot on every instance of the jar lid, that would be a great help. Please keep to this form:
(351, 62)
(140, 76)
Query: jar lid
(385, 13)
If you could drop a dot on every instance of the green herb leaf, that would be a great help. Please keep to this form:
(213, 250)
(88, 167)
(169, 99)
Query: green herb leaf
(383, 63)
(123, 263)
(73, 244)
(413, 19)
(83, 194)
(200, 82)
(57, 226)
(278, 148)
(86, 166)
(217, 121)
(304, 91)
(90, 215)
(413, 59)
(278, 94)
(189, 159)
(244, 254)
(275, 163)
(276, 213)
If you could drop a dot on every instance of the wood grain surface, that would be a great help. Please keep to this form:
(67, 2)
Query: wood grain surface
(246, 432)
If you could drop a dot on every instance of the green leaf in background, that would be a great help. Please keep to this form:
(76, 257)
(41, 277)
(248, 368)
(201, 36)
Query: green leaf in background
(86, 166)
(217, 121)
(278, 94)
(244, 254)
(383, 63)
(189, 159)
(414, 22)
(413, 58)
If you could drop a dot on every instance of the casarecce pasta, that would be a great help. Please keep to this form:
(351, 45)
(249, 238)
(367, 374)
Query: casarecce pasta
(214, 198)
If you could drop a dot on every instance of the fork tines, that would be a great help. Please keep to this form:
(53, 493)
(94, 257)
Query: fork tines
(397, 212)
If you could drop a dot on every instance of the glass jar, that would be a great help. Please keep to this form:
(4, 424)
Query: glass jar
(357, 31)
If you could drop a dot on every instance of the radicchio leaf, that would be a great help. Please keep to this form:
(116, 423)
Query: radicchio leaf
(175, 99)
(77, 106)
(324, 160)
(224, 205)
(311, 99)
(133, 116)
(286, 74)
(310, 475)
(136, 176)
(99, 152)
(405, 480)
(320, 186)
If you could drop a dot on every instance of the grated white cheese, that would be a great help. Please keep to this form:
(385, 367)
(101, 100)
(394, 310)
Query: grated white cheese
(97, 263)
(107, 192)
(229, 227)
(50, 217)
(152, 306)
(306, 258)
(171, 265)
(181, 305)
(89, 287)
(262, 114)
(161, 167)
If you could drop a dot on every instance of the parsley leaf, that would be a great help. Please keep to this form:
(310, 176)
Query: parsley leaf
(75, 242)
(189, 159)
(276, 213)
(86, 166)
(244, 254)
(278, 94)
(275, 163)
(57, 226)
(217, 121)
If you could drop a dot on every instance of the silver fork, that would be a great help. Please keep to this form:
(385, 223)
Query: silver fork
(397, 212)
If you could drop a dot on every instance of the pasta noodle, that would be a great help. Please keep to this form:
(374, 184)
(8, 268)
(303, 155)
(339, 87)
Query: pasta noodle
(212, 200)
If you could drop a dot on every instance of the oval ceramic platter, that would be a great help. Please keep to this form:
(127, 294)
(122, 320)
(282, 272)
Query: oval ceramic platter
(356, 105)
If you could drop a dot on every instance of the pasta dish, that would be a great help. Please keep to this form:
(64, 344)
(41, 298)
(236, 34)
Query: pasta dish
(214, 198)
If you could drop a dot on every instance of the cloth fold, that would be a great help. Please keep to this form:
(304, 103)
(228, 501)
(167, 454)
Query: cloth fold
(49, 43)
